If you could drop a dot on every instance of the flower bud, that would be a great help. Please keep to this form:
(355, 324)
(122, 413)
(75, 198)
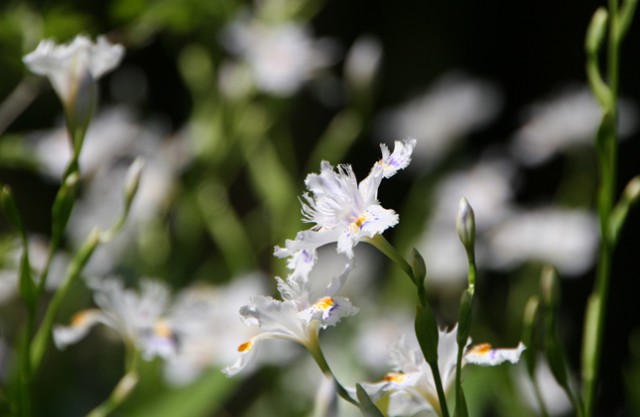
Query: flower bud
(597, 31)
(466, 225)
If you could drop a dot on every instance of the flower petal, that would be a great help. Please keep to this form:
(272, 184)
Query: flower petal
(485, 355)
(81, 323)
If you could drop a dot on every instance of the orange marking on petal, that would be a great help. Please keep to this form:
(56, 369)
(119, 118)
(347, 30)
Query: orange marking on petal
(245, 346)
(358, 222)
(394, 377)
(80, 319)
(481, 349)
(325, 303)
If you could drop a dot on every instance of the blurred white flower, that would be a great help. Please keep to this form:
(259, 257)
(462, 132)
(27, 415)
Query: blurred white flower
(205, 319)
(362, 61)
(411, 386)
(444, 255)
(568, 119)
(553, 395)
(378, 330)
(564, 238)
(455, 106)
(342, 210)
(65, 64)
(73, 70)
(298, 317)
(139, 317)
(112, 134)
(281, 57)
(103, 200)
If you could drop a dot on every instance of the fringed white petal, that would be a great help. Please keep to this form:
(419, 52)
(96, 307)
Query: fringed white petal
(485, 355)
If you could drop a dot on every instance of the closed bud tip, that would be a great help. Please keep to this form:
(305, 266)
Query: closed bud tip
(466, 225)
(597, 31)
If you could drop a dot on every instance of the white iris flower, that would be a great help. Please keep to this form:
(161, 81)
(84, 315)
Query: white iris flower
(141, 318)
(297, 317)
(411, 387)
(343, 210)
(66, 65)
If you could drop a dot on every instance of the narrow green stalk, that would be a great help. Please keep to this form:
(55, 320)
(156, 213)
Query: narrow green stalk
(316, 352)
(607, 147)
(459, 377)
(124, 387)
(379, 242)
(41, 338)
(45, 271)
(442, 398)
(25, 371)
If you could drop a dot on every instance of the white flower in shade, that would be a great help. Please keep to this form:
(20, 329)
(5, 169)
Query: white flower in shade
(300, 315)
(113, 133)
(70, 66)
(362, 61)
(455, 106)
(411, 387)
(205, 319)
(139, 317)
(564, 238)
(343, 210)
(281, 57)
(568, 119)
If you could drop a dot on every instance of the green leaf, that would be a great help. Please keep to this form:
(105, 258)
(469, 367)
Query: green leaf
(367, 406)
(28, 289)
(427, 333)
(528, 332)
(419, 268)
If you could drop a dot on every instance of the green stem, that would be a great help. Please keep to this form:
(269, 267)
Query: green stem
(45, 271)
(73, 272)
(379, 242)
(608, 151)
(26, 371)
(459, 374)
(124, 387)
(316, 352)
(442, 398)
